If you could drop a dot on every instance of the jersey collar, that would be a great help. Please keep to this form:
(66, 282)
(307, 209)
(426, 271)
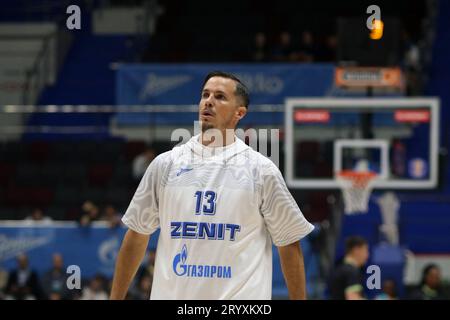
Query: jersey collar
(206, 152)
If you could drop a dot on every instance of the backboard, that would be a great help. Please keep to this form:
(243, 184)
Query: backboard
(398, 138)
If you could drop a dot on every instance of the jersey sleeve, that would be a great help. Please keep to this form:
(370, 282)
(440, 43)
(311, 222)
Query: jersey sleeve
(283, 218)
(142, 214)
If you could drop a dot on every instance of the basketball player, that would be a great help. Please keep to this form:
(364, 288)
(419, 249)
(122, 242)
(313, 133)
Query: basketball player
(347, 281)
(219, 206)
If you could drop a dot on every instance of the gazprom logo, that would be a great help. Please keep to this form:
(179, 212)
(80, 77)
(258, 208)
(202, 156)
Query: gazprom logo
(179, 263)
(182, 269)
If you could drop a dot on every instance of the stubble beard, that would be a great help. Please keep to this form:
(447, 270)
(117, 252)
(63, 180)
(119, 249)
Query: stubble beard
(206, 126)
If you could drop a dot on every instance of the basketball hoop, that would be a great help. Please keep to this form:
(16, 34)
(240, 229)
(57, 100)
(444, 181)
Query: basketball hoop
(356, 187)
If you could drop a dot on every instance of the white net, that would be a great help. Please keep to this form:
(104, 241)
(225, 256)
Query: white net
(356, 189)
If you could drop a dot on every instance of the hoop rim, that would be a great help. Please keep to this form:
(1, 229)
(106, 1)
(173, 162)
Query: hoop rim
(357, 178)
(349, 174)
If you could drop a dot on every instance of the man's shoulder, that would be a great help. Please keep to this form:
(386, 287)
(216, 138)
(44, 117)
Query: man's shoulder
(342, 266)
(160, 162)
(258, 158)
(257, 162)
(166, 157)
(268, 167)
(163, 157)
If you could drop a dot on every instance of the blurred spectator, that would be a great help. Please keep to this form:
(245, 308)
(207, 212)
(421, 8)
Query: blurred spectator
(3, 281)
(329, 50)
(144, 278)
(305, 51)
(399, 158)
(148, 268)
(55, 296)
(411, 52)
(141, 162)
(283, 50)
(95, 290)
(90, 213)
(54, 281)
(411, 64)
(111, 216)
(347, 280)
(143, 290)
(76, 294)
(23, 282)
(37, 216)
(389, 291)
(431, 286)
(260, 49)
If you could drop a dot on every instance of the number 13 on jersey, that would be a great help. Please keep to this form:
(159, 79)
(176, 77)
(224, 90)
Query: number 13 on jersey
(205, 202)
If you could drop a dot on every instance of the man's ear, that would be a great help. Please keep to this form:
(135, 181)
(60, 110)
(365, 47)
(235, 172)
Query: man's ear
(241, 112)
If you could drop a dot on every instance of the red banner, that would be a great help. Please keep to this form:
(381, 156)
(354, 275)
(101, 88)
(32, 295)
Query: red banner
(412, 116)
(316, 116)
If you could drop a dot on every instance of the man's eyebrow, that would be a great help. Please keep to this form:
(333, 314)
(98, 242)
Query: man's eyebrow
(217, 91)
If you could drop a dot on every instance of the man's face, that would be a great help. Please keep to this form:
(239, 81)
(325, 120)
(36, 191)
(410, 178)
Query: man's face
(95, 285)
(433, 278)
(110, 211)
(146, 283)
(37, 214)
(58, 261)
(307, 38)
(219, 107)
(260, 39)
(22, 260)
(389, 287)
(361, 254)
(285, 39)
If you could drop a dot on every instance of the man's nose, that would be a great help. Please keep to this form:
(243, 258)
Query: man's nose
(209, 101)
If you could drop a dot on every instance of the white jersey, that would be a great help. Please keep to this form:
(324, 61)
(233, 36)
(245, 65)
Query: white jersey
(219, 210)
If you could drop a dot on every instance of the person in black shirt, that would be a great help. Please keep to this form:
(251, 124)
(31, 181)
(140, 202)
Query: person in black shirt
(54, 281)
(431, 287)
(23, 282)
(347, 281)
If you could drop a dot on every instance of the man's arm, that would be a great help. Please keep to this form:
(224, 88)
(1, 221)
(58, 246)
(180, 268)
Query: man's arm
(291, 259)
(129, 258)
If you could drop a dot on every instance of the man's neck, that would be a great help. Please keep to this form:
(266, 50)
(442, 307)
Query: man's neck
(350, 260)
(226, 138)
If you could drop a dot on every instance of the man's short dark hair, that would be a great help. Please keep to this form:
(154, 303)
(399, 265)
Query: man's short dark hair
(241, 90)
(354, 242)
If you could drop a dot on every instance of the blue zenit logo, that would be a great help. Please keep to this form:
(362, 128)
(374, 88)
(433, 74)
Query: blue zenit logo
(183, 170)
